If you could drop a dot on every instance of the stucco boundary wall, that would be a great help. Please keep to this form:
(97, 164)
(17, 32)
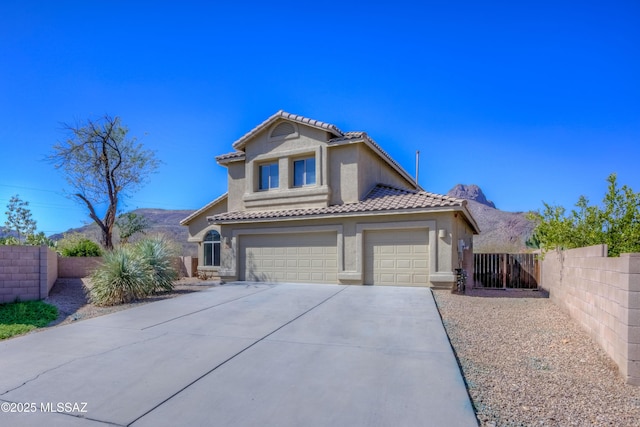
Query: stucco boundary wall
(603, 295)
(77, 267)
(26, 272)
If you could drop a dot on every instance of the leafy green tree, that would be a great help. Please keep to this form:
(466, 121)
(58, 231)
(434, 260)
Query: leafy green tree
(9, 241)
(19, 217)
(102, 165)
(39, 240)
(78, 245)
(129, 224)
(616, 223)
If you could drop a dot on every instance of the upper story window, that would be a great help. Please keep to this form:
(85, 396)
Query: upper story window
(269, 176)
(211, 248)
(304, 172)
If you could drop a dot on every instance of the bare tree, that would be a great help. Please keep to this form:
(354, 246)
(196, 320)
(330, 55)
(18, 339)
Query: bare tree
(102, 165)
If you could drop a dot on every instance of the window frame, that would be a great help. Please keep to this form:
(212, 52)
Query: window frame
(270, 183)
(305, 172)
(213, 239)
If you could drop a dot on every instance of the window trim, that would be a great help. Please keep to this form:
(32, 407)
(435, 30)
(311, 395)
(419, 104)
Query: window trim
(271, 166)
(213, 239)
(305, 172)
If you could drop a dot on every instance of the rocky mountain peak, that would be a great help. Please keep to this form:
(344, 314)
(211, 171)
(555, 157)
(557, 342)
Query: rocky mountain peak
(470, 192)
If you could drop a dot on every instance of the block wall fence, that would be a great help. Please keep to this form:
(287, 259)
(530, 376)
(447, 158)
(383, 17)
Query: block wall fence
(603, 295)
(29, 272)
(26, 272)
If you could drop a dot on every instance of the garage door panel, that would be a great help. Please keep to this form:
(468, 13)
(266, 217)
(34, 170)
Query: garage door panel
(310, 257)
(396, 257)
(387, 250)
(420, 263)
(405, 263)
(387, 277)
(404, 278)
(388, 263)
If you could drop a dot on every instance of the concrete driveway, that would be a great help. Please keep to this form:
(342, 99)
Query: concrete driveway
(243, 354)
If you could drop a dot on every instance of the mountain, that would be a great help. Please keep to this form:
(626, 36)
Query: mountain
(162, 221)
(5, 232)
(470, 192)
(500, 231)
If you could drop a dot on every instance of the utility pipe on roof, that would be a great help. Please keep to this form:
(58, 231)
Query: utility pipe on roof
(417, 166)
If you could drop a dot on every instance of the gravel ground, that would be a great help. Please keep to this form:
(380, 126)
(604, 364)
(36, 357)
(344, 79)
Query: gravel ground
(526, 363)
(70, 296)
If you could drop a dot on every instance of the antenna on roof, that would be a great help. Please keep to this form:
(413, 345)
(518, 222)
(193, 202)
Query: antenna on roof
(417, 166)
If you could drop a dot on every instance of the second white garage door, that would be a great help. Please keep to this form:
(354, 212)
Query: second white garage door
(309, 257)
(396, 257)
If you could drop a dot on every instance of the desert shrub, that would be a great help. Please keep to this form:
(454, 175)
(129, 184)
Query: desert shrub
(77, 245)
(122, 277)
(158, 253)
(131, 272)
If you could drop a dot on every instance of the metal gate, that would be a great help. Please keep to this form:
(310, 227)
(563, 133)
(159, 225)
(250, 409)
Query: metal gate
(502, 271)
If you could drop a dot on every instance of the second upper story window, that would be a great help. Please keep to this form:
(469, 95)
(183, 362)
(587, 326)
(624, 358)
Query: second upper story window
(304, 172)
(268, 176)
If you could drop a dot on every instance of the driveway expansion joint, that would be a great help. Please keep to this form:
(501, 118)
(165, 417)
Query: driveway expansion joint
(203, 309)
(237, 354)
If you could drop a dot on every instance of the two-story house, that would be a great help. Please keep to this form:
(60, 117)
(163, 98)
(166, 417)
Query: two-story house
(307, 202)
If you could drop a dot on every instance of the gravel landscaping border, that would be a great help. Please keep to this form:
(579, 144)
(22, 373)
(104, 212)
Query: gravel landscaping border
(70, 296)
(527, 363)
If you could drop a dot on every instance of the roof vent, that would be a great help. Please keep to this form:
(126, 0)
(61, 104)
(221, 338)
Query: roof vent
(283, 129)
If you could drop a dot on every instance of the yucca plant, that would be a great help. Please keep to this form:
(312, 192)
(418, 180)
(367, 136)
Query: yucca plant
(122, 277)
(158, 253)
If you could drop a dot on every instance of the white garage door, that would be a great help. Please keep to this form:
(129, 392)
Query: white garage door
(396, 257)
(309, 257)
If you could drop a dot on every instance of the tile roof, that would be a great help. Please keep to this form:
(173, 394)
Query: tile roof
(236, 155)
(340, 138)
(380, 199)
(209, 205)
(239, 144)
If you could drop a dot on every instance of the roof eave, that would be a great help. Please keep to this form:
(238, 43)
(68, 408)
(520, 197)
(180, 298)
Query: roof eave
(470, 219)
(187, 220)
(407, 211)
(280, 114)
(226, 161)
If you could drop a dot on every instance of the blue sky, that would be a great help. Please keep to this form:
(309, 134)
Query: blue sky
(533, 101)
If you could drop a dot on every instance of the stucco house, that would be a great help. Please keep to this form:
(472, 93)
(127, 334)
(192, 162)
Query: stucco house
(307, 202)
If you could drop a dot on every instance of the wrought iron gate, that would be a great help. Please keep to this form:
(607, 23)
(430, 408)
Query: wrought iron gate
(513, 271)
